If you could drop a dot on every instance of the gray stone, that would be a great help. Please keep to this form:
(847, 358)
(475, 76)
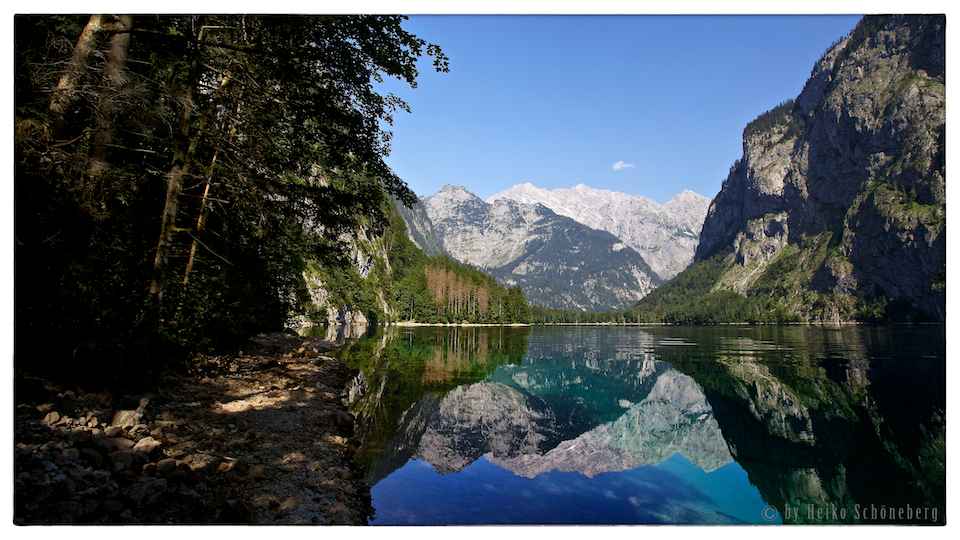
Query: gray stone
(64, 488)
(126, 419)
(119, 443)
(148, 446)
(112, 506)
(88, 506)
(291, 504)
(93, 457)
(144, 489)
(234, 511)
(45, 407)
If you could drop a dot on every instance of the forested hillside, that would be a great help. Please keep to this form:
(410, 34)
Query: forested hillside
(398, 282)
(175, 175)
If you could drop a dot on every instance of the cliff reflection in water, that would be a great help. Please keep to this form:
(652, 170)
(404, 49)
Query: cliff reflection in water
(831, 418)
(814, 416)
(404, 371)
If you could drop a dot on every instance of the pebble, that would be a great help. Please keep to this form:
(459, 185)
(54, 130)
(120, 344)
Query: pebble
(126, 419)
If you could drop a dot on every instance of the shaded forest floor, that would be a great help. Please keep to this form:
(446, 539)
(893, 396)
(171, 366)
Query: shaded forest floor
(260, 437)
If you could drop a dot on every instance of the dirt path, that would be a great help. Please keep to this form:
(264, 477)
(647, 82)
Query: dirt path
(256, 438)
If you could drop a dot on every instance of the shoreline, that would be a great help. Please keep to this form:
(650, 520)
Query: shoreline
(261, 436)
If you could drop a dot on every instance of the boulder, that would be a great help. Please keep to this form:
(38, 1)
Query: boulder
(147, 446)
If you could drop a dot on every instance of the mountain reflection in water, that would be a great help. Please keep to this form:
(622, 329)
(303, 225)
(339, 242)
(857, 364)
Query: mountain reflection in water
(652, 425)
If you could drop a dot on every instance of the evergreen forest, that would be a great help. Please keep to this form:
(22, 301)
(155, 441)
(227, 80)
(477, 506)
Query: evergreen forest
(688, 298)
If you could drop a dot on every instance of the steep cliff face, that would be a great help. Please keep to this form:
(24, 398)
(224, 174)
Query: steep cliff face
(838, 203)
(481, 234)
(665, 236)
(368, 269)
(557, 261)
(420, 229)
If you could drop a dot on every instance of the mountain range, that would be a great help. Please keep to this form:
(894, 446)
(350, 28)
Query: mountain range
(665, 236)
(558, 261)
(836, 210)
(557, 247)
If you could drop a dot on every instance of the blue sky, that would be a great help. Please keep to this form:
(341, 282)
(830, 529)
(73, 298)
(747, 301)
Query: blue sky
(559, 100)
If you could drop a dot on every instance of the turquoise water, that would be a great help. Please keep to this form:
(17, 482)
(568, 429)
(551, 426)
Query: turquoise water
(651, 425)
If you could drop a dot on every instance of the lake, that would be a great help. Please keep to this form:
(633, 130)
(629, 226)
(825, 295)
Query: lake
(653, 424)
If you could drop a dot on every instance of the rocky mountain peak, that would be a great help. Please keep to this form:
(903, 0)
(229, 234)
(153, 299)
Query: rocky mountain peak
(665, 236)
(559, 262)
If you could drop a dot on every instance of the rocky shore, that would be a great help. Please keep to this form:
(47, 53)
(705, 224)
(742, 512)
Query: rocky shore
(257, 437)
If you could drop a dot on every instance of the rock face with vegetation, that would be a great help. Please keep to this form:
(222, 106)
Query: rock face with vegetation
(386, 277)
(665, 236)
(557, 261)
(836, 210)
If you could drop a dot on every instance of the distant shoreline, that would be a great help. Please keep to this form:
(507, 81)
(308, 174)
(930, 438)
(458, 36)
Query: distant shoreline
(412, 324)
(408, 324)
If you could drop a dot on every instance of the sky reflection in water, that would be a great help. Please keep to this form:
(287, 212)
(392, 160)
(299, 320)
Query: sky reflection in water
(630, 426)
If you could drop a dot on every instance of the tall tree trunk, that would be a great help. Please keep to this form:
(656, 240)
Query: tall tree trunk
(182, 157)
(202, 218)
(66, 91)
(168, 224)
(108, 107)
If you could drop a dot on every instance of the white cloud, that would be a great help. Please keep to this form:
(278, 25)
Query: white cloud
(621, 165)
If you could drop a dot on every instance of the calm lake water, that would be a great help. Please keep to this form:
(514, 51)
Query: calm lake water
(648, 425)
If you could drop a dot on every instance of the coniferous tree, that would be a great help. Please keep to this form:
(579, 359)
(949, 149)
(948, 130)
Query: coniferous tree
(175, 173)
